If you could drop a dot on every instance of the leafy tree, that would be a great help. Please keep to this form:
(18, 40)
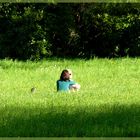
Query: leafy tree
(22, 37)
(35, 31)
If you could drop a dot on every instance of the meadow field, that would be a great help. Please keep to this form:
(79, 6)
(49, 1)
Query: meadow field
(107, 105)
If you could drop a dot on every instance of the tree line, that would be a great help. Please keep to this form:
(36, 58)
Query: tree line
(77, 30)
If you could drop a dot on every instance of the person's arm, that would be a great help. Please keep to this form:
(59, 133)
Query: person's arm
(74, 85)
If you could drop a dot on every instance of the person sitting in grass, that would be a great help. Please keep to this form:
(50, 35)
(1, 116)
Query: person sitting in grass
(65, 83)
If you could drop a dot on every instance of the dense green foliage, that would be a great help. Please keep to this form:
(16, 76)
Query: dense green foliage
(107, 104)
(39, 30)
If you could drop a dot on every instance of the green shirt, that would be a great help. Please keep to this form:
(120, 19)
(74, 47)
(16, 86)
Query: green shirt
(64, 85)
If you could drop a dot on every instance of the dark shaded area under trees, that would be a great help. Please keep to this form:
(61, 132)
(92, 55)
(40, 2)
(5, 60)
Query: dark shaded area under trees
(84, 30)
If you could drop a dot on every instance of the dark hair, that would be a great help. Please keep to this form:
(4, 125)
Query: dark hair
(65, 75)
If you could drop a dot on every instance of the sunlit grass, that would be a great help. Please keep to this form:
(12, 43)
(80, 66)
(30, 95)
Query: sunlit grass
(108, 103)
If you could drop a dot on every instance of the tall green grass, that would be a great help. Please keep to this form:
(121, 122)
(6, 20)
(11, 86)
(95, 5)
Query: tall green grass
(108, 104)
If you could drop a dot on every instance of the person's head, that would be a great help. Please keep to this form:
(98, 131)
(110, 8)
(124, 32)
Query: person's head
(65, 75)
(70, 73)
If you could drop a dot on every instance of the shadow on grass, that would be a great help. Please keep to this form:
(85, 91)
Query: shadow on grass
(105, 121)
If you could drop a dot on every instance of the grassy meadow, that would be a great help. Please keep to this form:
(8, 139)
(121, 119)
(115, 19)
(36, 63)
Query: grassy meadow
(107, 105)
